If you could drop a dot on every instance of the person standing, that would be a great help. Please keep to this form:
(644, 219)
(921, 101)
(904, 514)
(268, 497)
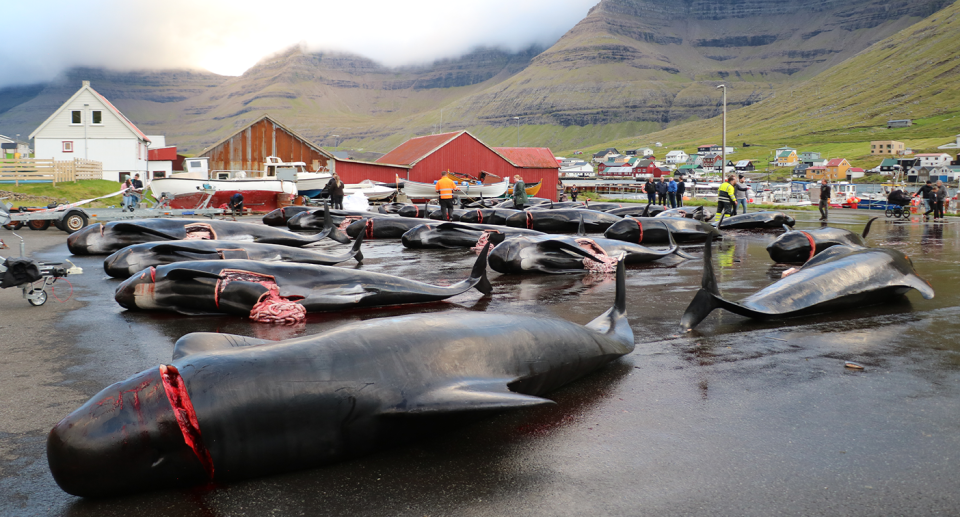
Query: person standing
(924, 193)
(445, 187)
(941, 197)
(335, 189)
(726, 196)
(127, 194)
(824, 206)
(661, 192)
(519, 192)
(681, 189)
(651, 189)
(740, 189)
(672, 193)
(574, 192)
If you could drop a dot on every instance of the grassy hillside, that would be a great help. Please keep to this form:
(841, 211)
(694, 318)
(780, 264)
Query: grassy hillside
(912, 74)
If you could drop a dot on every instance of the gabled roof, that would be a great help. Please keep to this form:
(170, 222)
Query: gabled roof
(889, 162)
(418, 148)
(529, 157)
(785, 154)
(106, 103)
(743, 163)
(835, 162)
(931, 154)
(676, 152)
(312, 145)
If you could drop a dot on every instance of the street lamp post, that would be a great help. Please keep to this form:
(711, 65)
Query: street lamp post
(518, 130)
(723, 145)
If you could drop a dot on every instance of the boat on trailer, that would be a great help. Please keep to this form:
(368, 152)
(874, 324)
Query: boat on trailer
(262, 191)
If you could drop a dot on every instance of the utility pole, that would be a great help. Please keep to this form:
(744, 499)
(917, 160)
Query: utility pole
(723, 145)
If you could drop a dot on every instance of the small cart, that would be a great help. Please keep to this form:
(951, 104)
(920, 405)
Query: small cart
(31, 276)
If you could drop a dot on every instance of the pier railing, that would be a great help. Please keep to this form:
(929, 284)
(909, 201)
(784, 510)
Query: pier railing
(43, 170)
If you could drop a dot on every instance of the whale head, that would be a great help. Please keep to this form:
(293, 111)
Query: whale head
(136, 435)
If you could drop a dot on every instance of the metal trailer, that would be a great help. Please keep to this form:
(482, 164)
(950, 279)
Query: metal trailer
(74, 218)
(45, 275)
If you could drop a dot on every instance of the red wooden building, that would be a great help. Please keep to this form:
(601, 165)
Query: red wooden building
(426, 158)
(248, 148)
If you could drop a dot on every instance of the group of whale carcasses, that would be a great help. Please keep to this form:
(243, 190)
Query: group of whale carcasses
(231, 407)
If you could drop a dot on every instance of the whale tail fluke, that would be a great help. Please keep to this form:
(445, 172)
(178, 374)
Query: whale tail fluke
(480, 272)
(675, 249)
(613, 323)
(355, 250)
(866, 229)
(707, 298)
(646, 210)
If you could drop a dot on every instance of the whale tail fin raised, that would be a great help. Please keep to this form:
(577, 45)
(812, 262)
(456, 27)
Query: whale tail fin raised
(614, 322)
(355, 250)
(866, 229)
(708, 297)
(479, 272)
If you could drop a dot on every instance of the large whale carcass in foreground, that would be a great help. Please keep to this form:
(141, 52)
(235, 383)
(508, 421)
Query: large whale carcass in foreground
(279, 292)
(105, 238)
(799, 246)
(133, 259)
(842, 277)
(231, 407)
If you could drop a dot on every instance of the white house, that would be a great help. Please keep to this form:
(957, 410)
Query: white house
(676, 157)
(9, 147)
(933, 159)
(89, 126)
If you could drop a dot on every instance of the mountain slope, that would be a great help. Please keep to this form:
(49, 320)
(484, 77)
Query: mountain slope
(912, 74)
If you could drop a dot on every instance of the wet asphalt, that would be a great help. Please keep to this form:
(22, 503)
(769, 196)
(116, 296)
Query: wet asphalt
(734, 418)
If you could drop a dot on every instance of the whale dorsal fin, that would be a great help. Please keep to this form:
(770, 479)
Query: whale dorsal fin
(203, 342)
(476, 394)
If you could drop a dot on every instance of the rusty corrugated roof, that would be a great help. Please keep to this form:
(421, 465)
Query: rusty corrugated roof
(416, 149)
(529, 157)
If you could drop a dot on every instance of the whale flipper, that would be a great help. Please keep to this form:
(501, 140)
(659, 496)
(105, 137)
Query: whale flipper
(468, 395)
(197, 342)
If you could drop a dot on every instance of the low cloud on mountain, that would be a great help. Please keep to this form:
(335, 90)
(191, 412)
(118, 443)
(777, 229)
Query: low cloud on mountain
(229, 36)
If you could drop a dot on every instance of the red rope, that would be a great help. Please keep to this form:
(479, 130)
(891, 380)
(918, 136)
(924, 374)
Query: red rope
(639, 225)
(480, 216)
(529, 220)
(813, 245)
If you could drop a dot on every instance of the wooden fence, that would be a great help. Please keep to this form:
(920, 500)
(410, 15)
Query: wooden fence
(49, 170)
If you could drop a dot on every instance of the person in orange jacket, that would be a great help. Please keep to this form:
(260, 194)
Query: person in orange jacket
(445, 187)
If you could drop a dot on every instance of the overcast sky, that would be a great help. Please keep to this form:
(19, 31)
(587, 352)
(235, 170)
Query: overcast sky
(41, 38)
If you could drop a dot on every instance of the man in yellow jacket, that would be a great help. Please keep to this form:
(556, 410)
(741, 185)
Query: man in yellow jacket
(445, 187)
(726, 196)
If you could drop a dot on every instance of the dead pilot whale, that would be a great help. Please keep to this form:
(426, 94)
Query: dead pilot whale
(134, 258)
(106, 238)
(799, 246)
(843, 277)
(239, 286)
(232, 407)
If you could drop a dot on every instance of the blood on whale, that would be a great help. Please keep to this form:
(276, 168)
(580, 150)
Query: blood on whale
(186, 417)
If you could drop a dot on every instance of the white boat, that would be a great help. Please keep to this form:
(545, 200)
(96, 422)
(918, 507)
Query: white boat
(308, 183)
(369, 189)
(416, 190)
(260, 192)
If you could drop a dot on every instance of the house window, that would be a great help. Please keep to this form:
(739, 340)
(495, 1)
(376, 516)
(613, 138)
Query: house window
(67, 146)
(124, 176)
(97, 117)
(159, 174)
(76, 117)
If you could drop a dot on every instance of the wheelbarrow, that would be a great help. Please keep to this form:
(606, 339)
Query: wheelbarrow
(31, 276)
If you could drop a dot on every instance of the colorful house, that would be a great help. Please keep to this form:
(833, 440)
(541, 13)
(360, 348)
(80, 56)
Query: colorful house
(835, 169)
(786, 157)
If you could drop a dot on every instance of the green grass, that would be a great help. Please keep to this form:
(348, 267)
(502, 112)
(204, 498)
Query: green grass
(66, 192)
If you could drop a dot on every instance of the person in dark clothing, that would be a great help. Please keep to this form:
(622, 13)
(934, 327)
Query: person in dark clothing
(681, 188)
(924, 193)
(236, 204)
(651, 189)
(940, 200)
(335, 189)
(662, 192)
(574, 192)
(824, 199)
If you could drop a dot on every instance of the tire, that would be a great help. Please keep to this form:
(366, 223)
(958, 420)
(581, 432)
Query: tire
(888, 212)
(41, 297)
(898, 212)
(39, 225)
(73, 222)
(906, 214)
(13, 226)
